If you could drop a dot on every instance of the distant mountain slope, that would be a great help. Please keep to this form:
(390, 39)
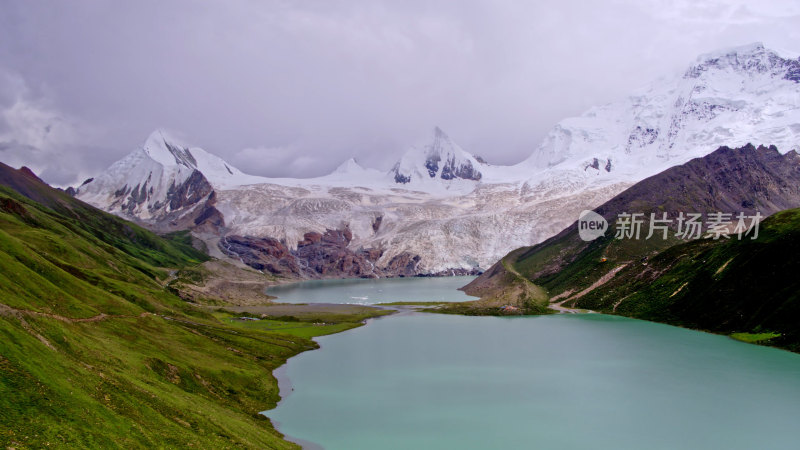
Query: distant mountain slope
(103, 228)
(746, 180)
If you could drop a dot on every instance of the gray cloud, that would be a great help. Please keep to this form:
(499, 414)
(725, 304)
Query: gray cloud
(294, 88)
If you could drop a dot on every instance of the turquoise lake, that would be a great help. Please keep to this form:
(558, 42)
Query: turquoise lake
(371, 291)
(427, 381)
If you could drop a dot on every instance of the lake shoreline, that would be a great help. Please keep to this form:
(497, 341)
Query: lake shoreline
(285, 388)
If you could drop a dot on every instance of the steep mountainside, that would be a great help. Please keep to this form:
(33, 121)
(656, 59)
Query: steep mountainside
(96, 352)
(443, 205)
(164, 184)
(110, 231)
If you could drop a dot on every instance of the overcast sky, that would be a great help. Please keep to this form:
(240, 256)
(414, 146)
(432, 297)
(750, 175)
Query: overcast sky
(282, 88)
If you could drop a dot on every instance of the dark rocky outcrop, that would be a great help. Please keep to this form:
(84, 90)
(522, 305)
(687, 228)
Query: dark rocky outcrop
(190, 192)
(318, 255)
(207, 218)
(400, 178)
(326, 254)
(265, 254)
(188, 205)
(323, 255)
(451, 170)
(11, 206)
(376, 224)
(403, 265)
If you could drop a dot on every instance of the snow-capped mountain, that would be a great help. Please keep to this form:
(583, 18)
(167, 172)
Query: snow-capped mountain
(731, 97)
(444, 207)
(441, 159)
(161, 181)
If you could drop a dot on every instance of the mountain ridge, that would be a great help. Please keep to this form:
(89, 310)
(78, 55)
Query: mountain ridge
(453, 211)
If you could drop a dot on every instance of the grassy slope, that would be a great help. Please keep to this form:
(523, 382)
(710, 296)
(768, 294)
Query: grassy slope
(94, 352)
(727, 286)
(509, 289)
(588, 262)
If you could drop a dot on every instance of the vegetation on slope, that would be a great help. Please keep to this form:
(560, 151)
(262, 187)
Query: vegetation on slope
(95, 352)
(748, 287)
(510, 294)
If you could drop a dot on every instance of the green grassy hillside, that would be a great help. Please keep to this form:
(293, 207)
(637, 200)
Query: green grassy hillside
(728, 286)
(95, 352)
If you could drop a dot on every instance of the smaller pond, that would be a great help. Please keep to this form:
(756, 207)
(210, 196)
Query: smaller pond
(372, 291)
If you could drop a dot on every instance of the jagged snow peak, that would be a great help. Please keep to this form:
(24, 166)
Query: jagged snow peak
(145, 183)
(731, 97)
(441, 159)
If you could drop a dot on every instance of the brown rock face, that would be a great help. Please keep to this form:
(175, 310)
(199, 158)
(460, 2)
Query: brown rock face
(403, 265)
(310, 239)
(320, 255)
(376, 225)
(208, 218)
(265, 254)
(24, 170)
(189, 205)
(8, 205)
(191, 191)
(328, 256)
